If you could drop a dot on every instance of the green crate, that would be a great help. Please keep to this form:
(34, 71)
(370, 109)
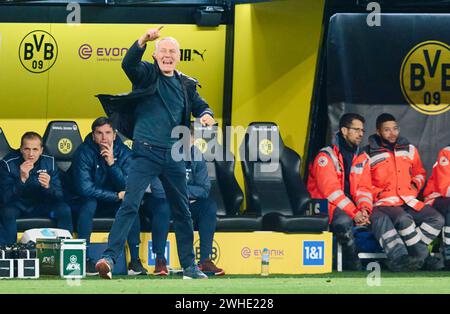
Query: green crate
(62, 257)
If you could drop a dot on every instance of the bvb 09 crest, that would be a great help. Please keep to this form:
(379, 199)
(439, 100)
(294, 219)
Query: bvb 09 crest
(425, 77)
(38, 51)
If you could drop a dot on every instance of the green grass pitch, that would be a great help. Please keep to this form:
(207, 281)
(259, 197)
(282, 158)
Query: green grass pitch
(334, 283)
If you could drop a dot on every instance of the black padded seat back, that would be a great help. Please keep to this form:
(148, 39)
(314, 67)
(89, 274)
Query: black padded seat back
(298, 194)
(215, 189)
(61, 139)
(263, 143)
(271, 172)
(272, 192)
(224, 187)
(23, 224)
(5, 149)
(205, 139)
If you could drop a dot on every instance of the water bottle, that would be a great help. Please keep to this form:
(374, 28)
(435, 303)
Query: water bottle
(265, 262)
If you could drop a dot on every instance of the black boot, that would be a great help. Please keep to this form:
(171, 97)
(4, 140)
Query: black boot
(350, 259)
(433, 263)
(404, 263)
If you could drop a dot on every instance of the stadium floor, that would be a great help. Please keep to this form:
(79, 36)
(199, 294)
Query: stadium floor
(334, 283)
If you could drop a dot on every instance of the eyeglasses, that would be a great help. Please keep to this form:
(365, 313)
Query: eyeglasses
(357, 130)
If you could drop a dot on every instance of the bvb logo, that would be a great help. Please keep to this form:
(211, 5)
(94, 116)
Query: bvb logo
(65, 146)
(201, 145)
(215, 254)
(425, 77)
(38, 51)
(266, 147)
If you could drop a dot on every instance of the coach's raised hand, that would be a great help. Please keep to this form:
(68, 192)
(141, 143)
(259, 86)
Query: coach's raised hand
(150, 35)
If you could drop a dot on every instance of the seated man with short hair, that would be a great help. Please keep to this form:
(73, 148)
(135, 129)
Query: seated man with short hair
(341, 174)
(30, 187)
(97, 179)
(402, 224)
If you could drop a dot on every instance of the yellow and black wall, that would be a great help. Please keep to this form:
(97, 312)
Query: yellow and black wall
(269, 75)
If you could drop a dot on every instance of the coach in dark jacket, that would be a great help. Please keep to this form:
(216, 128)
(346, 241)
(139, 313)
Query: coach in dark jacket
(162, 99)
(98, 177)
(30, 187)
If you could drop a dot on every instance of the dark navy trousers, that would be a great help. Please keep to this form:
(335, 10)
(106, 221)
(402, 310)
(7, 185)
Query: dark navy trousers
(203, 212)
(149, 161)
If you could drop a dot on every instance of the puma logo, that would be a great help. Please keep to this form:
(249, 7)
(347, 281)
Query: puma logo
(200, 54)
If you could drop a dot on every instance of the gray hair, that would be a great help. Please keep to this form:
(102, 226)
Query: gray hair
(171, 39)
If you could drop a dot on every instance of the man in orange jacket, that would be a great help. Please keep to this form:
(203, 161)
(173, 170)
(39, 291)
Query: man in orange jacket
(397, 178)
(437, 194)
(341, 174)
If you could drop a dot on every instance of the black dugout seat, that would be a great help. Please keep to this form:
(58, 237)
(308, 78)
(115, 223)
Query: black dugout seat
(61, 139)
(5, 149)
(273, 184)
(225, 189)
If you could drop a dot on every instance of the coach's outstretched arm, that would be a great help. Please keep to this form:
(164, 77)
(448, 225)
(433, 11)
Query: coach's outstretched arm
(138, 71)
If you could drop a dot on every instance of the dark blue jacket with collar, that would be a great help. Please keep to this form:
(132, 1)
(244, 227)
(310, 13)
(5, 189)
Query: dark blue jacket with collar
(198, 182)
(144, 78)
(90, 176)
(31, 192)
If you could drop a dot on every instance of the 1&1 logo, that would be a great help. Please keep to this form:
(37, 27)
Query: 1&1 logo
(313, 253)
(38, 51)
(425, 77)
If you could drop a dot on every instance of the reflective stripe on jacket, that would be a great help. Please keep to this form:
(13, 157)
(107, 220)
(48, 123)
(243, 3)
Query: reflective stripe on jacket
(326, 180)
(395, 172)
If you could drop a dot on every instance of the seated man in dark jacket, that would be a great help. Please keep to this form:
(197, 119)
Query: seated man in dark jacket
(203, 210)
(98, 176)
(30, 187)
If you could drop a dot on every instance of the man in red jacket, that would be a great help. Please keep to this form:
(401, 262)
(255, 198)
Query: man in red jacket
(437, 194)
(341, 174)
(404, 225)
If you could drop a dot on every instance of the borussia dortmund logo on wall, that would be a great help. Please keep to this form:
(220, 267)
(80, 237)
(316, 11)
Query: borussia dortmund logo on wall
(38, 51)
(425, 77)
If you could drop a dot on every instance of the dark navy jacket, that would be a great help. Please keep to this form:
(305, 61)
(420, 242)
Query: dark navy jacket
(90, 175)
(31, 192)
(144, 77)
(197, 179)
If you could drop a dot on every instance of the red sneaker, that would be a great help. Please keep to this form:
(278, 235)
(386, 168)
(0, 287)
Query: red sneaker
(161, 267)
(208, 267)
(104, 269)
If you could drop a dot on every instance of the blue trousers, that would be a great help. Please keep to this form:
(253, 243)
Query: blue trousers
(203, 212)
(87, 209)
(58, 210)
(148, 162)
